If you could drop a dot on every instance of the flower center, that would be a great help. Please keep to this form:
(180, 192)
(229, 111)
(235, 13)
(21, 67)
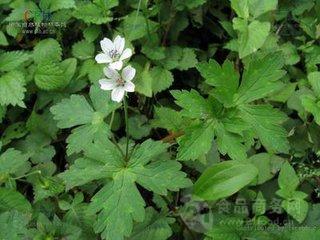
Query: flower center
(120, 82)
(114, 54)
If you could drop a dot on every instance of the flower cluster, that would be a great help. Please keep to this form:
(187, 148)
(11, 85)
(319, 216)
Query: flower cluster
(113, 54)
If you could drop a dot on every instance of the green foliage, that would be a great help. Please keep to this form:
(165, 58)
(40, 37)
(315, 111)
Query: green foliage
(218, 140)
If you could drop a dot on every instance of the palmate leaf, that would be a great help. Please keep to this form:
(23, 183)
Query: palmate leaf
(89, 120)
(196, 141)
(260, 78)
(224, 78)
(266, 121)
(153, 227)
(119, 202)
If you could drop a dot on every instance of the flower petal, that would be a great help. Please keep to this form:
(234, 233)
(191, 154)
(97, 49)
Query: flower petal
(103, 58)
(128, 73)
(111, 73)
(117, 94)
(116, 65)
(107, 84)
(129, 86)
(106, 45)
(119, 43)
(126, 54)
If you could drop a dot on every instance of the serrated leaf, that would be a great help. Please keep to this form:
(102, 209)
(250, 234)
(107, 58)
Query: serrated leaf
(193, 104)
(52, 76)
(12, 162)
(196, 141)
(155, 227)
(55, 5)
(224, 78)
(252, 36)
(13, 225)
(12, 60)
(116, 213)
(266, 121)
(83, 50)
(260, 78)
(161, 79)
(103, 161)
(91, 13)
(47, 50)
(167, 118)
(12, 89)
(224, 179)
(72, 112)
(259, 7)
(13, 200)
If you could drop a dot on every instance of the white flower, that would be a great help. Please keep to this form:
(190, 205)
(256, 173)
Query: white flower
(119, 84)
(113, 53)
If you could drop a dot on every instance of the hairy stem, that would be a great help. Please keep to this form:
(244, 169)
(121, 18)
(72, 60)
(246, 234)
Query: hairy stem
(125, 106)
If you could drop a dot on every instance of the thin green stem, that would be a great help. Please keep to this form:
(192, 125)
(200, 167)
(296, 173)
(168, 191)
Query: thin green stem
(125, 106)
(112, 118)
(26, 175)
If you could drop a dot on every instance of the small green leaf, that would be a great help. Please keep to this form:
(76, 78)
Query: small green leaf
(224, 179)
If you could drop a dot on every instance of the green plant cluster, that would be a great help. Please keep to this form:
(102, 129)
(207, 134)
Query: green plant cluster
(220, 140)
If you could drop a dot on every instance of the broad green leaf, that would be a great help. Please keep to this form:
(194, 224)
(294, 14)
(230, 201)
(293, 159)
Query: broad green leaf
(115, 213)
(288, 180)
(314, 80)
(143, 81)
(224, 78)
(161, 79)
(72, 112)
(196, 141)
(252, 36)
(55, 5)
(153, 227)
(83, 135)
(267, 164)
(312, 105)
(83, 50)
(52, 76)
(241, 7)
(260, 78)
(230, 143)
(167, 118)
(91, 13)
(179, 58)
(224, 179)
(13, 225)
(259, 7)
(47, 50)
(297, 208)
(118, 204)
(12, 89)
(100, 161)
(12, 162)
(13, 200)
(136, 26)
(91, 33)
(12, 60)
(193, 104)
(266, 122)
(3, 39)
(139, 126)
